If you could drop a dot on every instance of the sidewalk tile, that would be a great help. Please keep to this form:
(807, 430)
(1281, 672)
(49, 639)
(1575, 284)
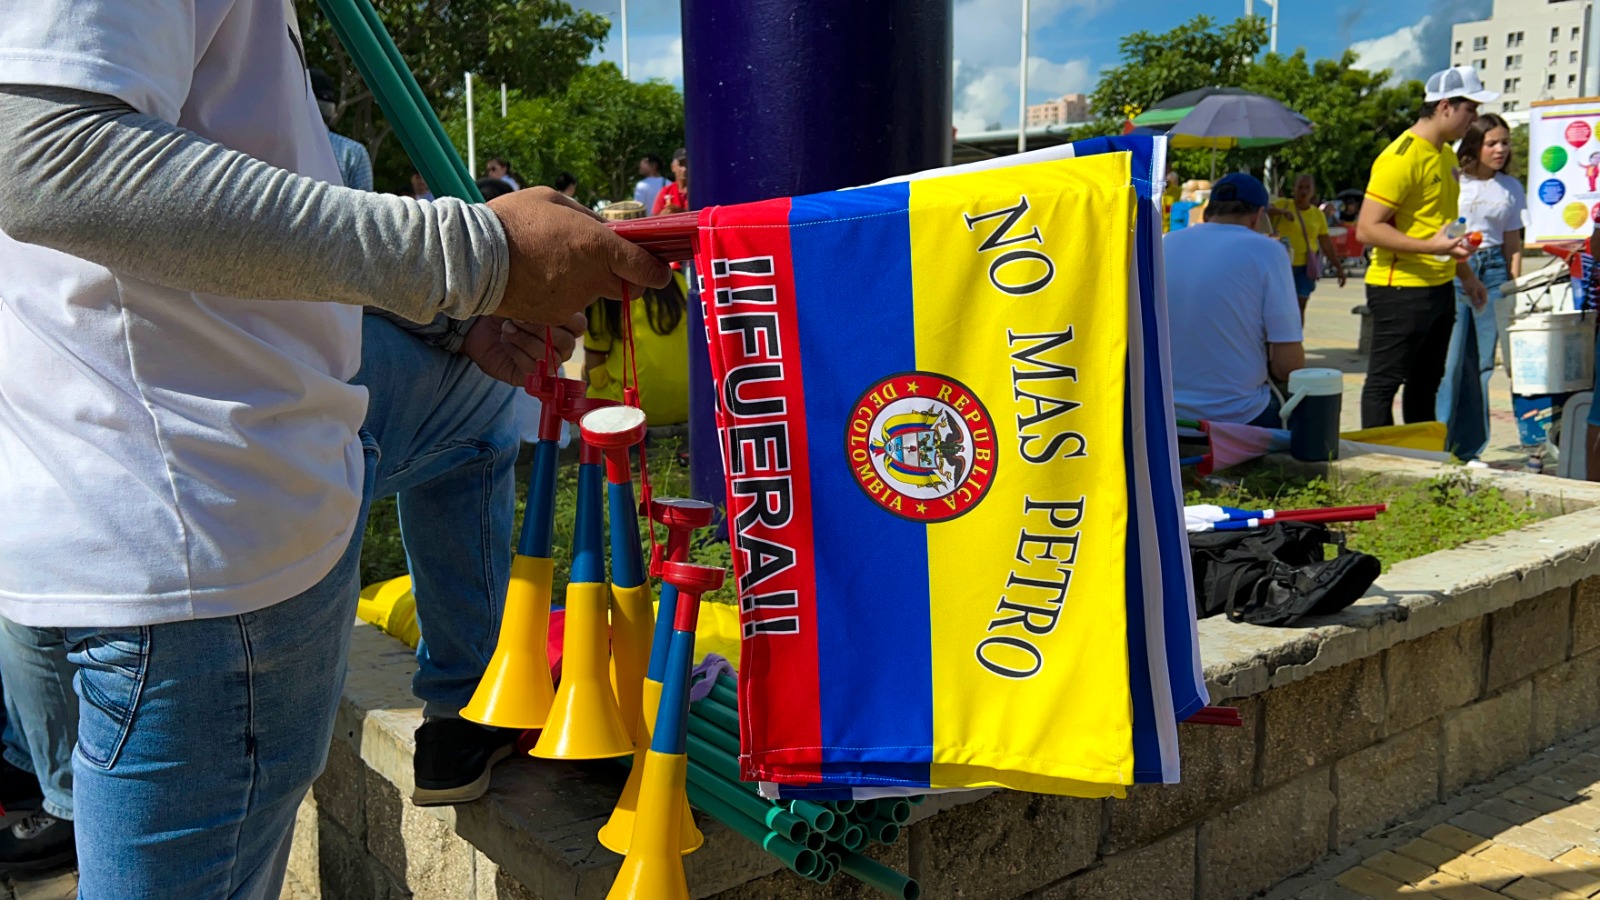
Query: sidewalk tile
(1587, 816)
(1534, 889)
(1329, 890)
(1481, 871)
(1425, 851)
(1520, 860)
(1559, 787)
(57, 887)
(1535, 800)
(1400, 868)
(1538, 840)
(1515, 813)
(1488, 826)
(1368, 883)
(1456, 838)
(1449, 887)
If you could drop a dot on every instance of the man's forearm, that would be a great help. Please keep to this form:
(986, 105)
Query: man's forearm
(87, 175)
(1385, 235)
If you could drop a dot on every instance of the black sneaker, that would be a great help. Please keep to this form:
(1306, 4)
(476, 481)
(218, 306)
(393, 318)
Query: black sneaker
(39, 842)
(19, 790)
(453, 760)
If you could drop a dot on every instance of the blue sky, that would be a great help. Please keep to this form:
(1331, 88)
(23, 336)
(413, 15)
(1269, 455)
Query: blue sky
(1072, 40)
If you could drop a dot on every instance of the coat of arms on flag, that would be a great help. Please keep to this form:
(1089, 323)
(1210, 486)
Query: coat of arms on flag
(922, 446)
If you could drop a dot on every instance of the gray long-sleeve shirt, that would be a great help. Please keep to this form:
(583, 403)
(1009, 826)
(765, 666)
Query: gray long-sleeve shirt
(88, 175)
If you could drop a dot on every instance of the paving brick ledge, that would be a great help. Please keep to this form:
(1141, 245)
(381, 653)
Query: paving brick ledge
(1344, 732)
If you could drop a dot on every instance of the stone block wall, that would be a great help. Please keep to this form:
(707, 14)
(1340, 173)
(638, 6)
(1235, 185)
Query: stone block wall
(1455, 668)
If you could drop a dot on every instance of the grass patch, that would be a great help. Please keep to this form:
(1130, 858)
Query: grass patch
(1422, 517)
(383, 556)
(1437, 514)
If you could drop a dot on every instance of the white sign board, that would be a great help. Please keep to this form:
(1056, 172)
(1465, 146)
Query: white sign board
(1563, 169)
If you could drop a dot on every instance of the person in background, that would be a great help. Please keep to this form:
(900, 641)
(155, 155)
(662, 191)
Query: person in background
(1492, 202)
(674, 198)
(661, 336)
(491, 188)
(1412, 200)
(1172, 193)
(419, 187)
(650, 181)
(1231, 298)
(566, 183)
(1310, 247)
(41, 732)
(355, 164)
(499, 168)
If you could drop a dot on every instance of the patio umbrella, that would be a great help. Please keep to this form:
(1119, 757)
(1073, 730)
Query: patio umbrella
(1171, 111)
(1222, 121)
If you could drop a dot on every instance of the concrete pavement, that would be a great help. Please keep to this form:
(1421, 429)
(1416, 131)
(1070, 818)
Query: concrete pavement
(1332, 335)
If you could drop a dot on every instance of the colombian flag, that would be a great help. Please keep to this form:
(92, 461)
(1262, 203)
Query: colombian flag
(924, 400)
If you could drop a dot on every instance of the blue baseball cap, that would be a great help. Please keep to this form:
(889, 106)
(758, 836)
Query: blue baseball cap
(1242, 187)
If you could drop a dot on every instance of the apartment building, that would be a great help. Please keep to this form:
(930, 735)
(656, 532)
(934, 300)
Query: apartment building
(1527, 50)
(1064, 110)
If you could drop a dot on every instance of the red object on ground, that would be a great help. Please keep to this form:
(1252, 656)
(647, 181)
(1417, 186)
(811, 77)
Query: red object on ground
(1225, 716)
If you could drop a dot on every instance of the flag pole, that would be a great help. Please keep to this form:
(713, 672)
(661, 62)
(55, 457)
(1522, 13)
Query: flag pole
(1022, 80)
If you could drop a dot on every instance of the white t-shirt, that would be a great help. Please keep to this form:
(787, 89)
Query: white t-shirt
(167, 455)
(1229, 294)
(646, 190)
(1492, 206)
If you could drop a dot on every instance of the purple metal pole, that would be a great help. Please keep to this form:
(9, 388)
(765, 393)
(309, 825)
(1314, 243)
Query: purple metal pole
(787, 97)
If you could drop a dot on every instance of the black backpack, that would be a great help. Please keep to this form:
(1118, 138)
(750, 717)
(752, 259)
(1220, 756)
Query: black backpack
(1276, 574)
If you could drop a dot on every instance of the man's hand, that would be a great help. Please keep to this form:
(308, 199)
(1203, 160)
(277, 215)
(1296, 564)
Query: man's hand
(1477, 293)
(1338, 272)
(509, 352)
(562, 258)
(1442, 244)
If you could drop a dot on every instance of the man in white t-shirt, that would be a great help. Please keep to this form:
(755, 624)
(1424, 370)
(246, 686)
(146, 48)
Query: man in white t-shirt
(650, 181)
(1233, 311)
(183, 461)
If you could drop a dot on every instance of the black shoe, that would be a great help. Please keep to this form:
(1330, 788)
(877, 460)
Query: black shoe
(39, 842)
(19, 790)
(453, 760)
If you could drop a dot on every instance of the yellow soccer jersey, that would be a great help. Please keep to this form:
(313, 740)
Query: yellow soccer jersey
(1418, 181)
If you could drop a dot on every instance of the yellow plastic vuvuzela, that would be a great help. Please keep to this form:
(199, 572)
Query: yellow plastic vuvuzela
(653, 869)
(516, 690)
(617, 834)
(583, 722)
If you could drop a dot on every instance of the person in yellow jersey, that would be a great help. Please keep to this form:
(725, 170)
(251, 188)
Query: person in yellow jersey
(1310, 247)
(661, 336)
(1412, 204)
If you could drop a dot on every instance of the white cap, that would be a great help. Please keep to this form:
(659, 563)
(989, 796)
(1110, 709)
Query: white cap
(1459, 81)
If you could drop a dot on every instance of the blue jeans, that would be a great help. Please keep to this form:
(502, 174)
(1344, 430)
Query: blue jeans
(41, 712)
(1463, 403)
(198, 740)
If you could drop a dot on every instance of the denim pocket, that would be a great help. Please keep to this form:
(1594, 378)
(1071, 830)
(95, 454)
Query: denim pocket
(111, 673)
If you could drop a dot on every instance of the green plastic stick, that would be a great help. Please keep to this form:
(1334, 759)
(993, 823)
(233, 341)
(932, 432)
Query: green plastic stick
(865, 811)
(880, 876)
(797, 857)
(775, 818)
(881, 831)
(386, 44)
(727, 741)
(854, 838)
(896, 811)
(720, 715)
(351, 30)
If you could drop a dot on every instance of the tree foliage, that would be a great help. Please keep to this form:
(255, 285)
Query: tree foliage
(596, 129)
(536, 46)
(1355, 113)
(1194, 55)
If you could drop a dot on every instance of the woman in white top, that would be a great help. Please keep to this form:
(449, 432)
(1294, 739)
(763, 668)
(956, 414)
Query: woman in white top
(1492, 202)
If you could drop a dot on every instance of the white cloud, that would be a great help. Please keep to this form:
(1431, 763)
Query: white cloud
(656, 56)
(987, 96)
(1402, 51)
(988, 44)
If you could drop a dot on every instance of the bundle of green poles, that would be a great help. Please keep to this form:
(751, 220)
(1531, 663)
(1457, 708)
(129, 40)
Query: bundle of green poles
(376, 57)
(815, 840)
